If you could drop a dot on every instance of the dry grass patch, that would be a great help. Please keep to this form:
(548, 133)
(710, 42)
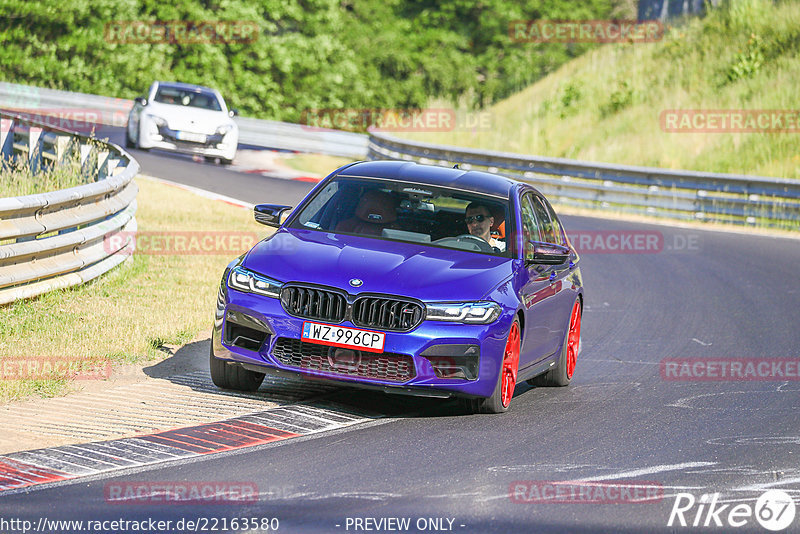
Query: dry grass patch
(131, 313)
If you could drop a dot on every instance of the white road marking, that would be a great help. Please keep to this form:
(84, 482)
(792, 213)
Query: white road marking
(767, 485)
(646, 471)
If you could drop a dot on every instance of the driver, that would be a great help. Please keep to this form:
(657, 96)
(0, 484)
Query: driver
(479, 219)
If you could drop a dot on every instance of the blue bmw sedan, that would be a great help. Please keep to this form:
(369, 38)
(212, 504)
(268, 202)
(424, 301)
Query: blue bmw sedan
(408, 278)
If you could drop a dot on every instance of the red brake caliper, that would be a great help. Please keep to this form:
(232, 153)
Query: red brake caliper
(574, 338)
(510, 365)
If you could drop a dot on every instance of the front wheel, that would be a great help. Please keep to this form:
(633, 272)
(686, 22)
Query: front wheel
(138, 141)
(506, 382)
(128, 141)
(236, 377)
(561, 374)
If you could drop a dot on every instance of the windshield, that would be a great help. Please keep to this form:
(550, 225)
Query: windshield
(400, 211)
(195, 98)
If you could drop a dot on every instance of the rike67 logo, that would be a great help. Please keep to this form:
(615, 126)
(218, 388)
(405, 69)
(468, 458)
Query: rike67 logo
(774, 510)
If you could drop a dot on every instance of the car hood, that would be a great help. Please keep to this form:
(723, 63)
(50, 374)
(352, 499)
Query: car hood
(406, 269)
(190, 119)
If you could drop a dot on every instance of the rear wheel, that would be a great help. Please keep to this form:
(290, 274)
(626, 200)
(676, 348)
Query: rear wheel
(506, 382)
(227, 376)
(561, 374)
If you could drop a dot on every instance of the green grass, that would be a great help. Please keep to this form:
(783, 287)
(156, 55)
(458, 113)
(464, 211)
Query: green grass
(130, 314)
(605, 105)
(315, 164)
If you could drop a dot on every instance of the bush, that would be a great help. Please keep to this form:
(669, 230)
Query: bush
(309, 54)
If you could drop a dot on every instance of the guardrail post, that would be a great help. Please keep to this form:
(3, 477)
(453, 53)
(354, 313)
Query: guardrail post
(34, 149)
(101, 170)
(6, 138)
(53, 148)
(88, 156)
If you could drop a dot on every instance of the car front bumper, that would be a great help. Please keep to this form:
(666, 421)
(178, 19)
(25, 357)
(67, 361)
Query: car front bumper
(410, 364)
(214, 145)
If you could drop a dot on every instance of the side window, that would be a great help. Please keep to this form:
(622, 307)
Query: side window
(545, 223)
(557, 228)
(530, 231)
(318, 212)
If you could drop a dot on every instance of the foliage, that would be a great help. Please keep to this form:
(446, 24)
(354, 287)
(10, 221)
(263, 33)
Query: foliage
(747, 62)
(625, 88)
(309, 54)
(619, 99)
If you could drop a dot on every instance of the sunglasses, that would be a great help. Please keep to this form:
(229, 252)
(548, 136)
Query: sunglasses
(474, 218)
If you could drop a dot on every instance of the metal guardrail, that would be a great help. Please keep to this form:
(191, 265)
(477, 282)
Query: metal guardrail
(255, 132)
(675, 194)
(60, 239)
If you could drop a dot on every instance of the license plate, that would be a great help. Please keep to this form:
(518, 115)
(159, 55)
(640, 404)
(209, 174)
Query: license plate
(191, 136)
(342, 336)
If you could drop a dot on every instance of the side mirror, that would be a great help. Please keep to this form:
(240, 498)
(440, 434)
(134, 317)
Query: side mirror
(233, 112)
(271, 214)
(548, 254)
(142, 101)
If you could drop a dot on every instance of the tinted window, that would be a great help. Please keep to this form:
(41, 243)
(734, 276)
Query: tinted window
(543, 218)
(530, 231)
(398, 211)
(195, 98)
(558, 230)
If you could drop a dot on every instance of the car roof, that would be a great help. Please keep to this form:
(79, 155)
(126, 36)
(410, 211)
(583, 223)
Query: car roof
(406, 171)
(189, 86)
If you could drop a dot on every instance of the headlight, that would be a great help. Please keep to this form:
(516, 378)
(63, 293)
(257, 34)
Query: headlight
(250, 282)
(224, 129)
(463, 312)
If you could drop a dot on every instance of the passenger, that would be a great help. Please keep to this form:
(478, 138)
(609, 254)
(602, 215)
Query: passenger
(480, 220)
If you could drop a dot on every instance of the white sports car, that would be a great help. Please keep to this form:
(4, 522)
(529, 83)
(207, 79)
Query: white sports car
(186, 118)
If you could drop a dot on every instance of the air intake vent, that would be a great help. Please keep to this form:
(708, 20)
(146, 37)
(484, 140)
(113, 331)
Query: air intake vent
(387, 313)
(385, 366)
(244, 331)
(314, 303)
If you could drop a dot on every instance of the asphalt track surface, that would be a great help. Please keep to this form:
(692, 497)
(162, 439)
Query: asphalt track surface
(703, 294)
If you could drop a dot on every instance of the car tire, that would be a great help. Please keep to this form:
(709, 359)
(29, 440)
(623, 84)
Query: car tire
(138, 142)
(562, 373)
(128, 140)
(506, 380)
(227, 376)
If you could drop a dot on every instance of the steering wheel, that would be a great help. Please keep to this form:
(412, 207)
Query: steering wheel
(466, 242)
